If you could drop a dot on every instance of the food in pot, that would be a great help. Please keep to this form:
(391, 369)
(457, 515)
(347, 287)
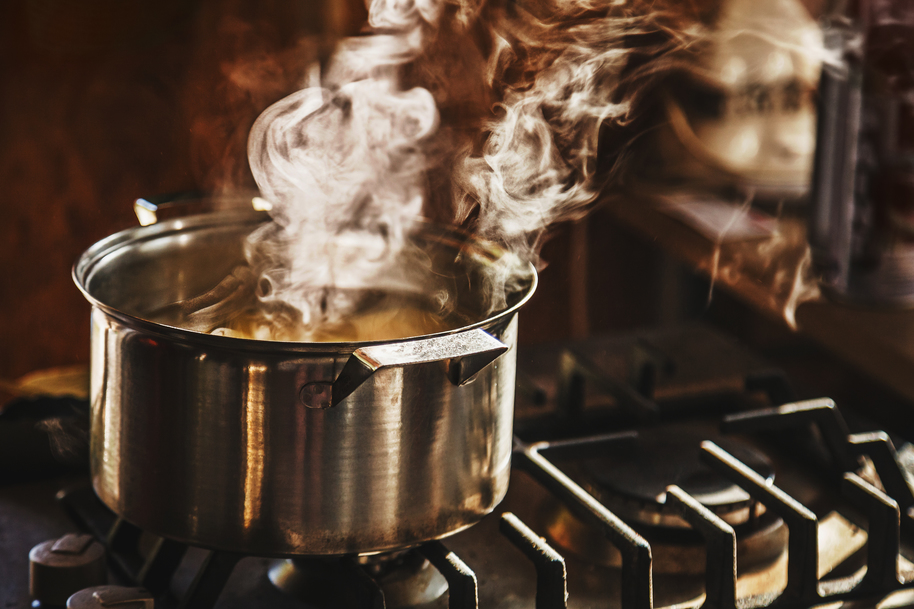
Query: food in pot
(232, 308)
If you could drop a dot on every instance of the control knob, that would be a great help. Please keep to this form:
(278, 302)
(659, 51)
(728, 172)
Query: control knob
(60, 567)
(111, 597)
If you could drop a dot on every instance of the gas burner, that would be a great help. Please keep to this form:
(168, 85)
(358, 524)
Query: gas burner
(673, 551)
(407, 579)
(632, 477)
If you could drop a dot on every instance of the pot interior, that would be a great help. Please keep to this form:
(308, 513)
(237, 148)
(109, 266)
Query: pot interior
(453, 281)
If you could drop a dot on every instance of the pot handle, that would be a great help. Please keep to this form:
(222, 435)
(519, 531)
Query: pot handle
(466, 354)
(150, 210)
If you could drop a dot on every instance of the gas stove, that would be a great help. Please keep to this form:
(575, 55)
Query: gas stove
(664, 469)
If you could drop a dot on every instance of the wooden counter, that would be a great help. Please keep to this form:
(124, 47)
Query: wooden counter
(773, 276)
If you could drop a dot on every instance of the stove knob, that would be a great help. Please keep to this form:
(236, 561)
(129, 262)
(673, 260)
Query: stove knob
(60, 567)
(119, 597)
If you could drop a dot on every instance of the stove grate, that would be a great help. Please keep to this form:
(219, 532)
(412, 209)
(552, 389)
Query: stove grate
(551, 576)
(882, 502)
(154, 568)
(804, 589)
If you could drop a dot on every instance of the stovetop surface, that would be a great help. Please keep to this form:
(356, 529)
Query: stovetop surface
(690, 376)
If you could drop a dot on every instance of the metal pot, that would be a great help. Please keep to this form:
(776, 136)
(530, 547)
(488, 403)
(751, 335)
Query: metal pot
(282, 448)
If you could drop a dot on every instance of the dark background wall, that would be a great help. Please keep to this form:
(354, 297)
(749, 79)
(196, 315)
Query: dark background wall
(102, 101)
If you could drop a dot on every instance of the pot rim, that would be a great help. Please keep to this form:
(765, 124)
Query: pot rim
(83, 266)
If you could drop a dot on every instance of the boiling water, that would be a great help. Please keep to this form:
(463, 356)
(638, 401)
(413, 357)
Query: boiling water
(389, 322)
(371, 316)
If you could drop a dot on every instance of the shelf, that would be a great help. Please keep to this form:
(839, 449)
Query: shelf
(772, 275)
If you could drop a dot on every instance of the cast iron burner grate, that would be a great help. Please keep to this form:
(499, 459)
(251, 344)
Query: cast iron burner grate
(154, 568)
(881, 508)
(887, 504)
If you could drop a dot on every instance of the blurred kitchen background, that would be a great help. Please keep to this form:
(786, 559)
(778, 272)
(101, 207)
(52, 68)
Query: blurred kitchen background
(103, 101)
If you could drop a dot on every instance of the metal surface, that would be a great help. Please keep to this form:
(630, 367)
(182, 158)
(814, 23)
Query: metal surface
(119, 597)
(802, 574)
(676, 549)
(760, 545)
(60, 567)
(831, 231)
(155, 567)
(632, 479)
(863, 515)
(883, 534)
(216, 441)
(551, 578)
(463, 589)
(720, 564)
(210, 580)
(820, 412)
(396, 580)
(860, 219)
(412, 582)
(636, 552)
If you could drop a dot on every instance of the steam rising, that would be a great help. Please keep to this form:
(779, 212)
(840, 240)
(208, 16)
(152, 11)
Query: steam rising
(344, 170)
(569, 82)
(512, 116)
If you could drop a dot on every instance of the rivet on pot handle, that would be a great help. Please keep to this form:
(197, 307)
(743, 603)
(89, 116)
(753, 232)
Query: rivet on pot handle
(467, 353)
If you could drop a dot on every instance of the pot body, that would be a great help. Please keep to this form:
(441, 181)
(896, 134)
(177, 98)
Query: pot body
(216, 441)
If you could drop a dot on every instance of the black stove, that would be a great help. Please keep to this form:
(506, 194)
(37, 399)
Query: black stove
(664, 469)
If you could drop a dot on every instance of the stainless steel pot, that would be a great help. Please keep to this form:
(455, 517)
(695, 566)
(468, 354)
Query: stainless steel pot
(280, 448)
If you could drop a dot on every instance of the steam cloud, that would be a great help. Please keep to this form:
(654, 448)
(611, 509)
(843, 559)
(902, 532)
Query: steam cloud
(402, 124)
(567, 83)
(344, 169)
